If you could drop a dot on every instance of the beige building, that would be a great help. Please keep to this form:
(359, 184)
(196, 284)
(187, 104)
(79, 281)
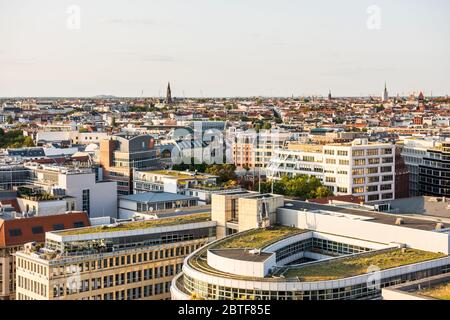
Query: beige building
(135, 260)
(15, 232)
(240, 211)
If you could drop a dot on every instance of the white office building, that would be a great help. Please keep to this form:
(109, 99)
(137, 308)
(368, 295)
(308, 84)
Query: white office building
(360, 168)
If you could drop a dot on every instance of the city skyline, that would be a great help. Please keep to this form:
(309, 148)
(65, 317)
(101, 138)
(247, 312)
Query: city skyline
(233, 49)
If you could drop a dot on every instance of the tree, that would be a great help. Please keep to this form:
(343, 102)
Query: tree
(9, 119)
(225, 172)
(302, 186)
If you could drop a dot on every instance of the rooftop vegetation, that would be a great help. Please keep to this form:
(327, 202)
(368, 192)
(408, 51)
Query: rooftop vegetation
(259, 238)
(441, 292)
(353, 266)
(164, 222)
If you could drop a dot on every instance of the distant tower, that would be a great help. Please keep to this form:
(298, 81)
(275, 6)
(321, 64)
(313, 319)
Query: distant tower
(169, 94)
(329, 95)
(385, 95)
(421, 97)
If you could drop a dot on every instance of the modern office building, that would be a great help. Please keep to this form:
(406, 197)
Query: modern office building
(12, 175)
(428, 161)
(413, 152)
(126, 261)
(316, 252)
(16, 231)
(81, 184)
(123, 153)
(361, 168)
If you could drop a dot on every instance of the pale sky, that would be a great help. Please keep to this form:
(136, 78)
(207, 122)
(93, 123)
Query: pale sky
(223, 47)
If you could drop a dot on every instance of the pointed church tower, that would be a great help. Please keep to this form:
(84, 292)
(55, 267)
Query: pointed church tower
(169, 94)
(385, 95)
(329, 94)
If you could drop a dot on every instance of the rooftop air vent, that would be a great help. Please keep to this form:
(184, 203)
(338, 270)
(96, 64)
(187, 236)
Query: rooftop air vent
(439, 226)
(399, 221)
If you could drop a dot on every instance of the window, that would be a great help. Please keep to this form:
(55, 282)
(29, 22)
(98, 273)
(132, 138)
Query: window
(360, 162)
(78, 224)
(37, 230)
(58, 226)
(342, 153)
(373, 197)
(372, 170)
(359, 180)
(358, 153)
(372, 152)
(15, 232)
(86, 201)
(331, 161)
(374, 179)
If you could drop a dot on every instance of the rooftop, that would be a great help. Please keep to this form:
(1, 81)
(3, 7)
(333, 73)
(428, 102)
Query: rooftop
(372, 216)
(357, 265)
(180, 174)
(441, 292)
(259, 238)
(155, 197)
(139, 225)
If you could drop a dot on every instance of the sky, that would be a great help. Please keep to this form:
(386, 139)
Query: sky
(223, 48)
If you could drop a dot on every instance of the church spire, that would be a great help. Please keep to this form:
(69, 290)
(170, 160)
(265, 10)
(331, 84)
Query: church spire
(169, 94)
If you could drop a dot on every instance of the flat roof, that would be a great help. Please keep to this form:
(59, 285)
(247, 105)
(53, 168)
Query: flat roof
(378, 217)
(258, 238)
(156, 197)
(241, 254)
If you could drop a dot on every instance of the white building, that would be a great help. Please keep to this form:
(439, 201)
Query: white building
(360, 168)
(97, 198)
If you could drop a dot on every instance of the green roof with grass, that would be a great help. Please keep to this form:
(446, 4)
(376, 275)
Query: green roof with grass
(354, 266)
(441, 292)
(140, 225)
(259, 238)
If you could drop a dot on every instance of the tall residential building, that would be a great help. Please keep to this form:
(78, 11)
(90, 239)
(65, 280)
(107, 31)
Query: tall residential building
(129, 261)
(15, 233)
(361, 168)
(122, 154)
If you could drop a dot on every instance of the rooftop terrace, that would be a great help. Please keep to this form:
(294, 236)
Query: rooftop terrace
(164, 222)
(357, 265)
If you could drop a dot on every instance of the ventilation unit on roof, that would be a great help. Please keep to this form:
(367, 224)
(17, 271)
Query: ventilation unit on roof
(399, 221)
